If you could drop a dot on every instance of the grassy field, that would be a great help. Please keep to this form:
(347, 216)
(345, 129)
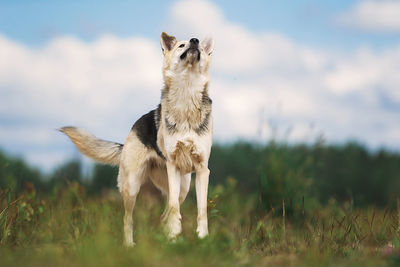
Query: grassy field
(67, 227)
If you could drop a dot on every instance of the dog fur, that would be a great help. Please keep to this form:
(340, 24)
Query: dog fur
(169, 143)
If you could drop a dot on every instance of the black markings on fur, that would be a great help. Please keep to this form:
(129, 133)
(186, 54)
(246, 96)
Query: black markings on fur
(157, 116)
(206, 104)
(146, 129)
(170, 127)
(192, 49)
(206, 100)
(203, 127)
(183, 56)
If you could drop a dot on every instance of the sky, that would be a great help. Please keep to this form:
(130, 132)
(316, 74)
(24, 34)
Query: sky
(294, 71)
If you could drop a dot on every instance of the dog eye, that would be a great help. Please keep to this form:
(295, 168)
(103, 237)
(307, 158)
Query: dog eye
(182, 45)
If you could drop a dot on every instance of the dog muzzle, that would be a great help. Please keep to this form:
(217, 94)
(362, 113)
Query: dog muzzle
(193, 52)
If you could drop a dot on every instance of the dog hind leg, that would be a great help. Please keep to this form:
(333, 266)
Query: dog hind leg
(129, 195)
(159, 177)
(129, 203)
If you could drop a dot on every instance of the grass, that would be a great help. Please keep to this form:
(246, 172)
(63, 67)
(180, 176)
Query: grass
(70, 228)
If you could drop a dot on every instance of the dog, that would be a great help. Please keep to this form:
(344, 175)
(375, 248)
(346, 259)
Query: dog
(167, 144)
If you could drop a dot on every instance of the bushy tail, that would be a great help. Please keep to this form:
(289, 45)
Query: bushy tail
(97, 149)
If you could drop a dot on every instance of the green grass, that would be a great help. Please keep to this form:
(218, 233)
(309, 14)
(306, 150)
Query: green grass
(70, 228)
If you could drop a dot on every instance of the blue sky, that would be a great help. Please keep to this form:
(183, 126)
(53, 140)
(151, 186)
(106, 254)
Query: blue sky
(310, 22)
(305, 68)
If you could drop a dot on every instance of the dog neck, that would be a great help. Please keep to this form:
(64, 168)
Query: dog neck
(185, 101)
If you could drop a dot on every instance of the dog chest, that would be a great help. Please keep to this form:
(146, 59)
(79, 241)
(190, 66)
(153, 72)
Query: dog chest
(185, 157)
(188, 153)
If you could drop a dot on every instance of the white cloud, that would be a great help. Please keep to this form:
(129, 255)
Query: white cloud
(366, 71)
(297, 85)
(68, 75)
(373, 15)
(260, 82)
(102, 86)
(238, 50)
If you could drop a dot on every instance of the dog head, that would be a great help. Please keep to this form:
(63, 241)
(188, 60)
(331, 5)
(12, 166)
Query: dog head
(182, 57)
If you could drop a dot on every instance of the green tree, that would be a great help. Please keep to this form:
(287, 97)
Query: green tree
(104, 177)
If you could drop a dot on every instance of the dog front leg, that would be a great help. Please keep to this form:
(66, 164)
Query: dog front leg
(174, 226)
(202, 176)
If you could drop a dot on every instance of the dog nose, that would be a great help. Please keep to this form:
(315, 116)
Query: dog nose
(194, 41)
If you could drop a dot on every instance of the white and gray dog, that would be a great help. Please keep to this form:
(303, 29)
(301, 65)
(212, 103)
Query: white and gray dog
(168, 143)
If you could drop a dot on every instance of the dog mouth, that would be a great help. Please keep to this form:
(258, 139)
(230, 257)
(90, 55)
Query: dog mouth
(192, 54)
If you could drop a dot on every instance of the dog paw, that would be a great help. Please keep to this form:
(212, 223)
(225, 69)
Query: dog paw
(174, 229)
(202, 233)
(129, 244)
(174, 226)
(202, 228)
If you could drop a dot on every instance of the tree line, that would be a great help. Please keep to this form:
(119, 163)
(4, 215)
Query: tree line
(274, 172)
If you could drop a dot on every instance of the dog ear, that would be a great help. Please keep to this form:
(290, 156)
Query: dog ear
(208, 45)
(167, 42)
